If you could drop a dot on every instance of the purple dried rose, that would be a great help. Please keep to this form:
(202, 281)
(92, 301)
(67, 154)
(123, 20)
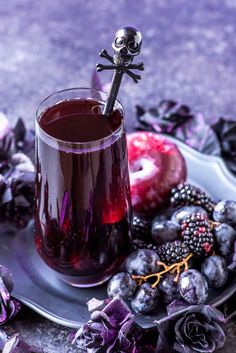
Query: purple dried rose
(198, 329)
(15, 344)
(166, 117)
(110, 330)
(9, 307)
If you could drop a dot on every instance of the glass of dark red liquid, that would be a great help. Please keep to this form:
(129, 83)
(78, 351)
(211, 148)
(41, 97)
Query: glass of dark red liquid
(83, 205)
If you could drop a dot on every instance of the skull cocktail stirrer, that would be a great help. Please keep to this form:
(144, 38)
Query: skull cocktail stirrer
(126, 45)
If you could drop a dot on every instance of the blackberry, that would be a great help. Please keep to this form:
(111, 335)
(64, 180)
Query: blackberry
(141, 228)
(140, 244)
(172, 252)
(187, 194)
(196, 233)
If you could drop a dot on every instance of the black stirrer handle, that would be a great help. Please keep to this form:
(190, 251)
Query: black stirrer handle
(126, 45)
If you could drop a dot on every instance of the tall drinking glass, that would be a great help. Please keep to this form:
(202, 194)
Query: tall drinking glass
(83, 204)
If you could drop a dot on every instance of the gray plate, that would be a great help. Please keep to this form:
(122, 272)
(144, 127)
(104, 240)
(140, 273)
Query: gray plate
(37, 286)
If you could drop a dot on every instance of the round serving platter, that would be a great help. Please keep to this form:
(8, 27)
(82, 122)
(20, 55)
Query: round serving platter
(38, 287)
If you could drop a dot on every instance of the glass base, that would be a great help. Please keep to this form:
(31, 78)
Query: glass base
(83, 281)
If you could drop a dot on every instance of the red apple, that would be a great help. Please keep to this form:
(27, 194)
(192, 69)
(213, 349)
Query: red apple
(156, 166)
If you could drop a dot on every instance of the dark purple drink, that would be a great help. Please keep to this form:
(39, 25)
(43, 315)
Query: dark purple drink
(82, 190)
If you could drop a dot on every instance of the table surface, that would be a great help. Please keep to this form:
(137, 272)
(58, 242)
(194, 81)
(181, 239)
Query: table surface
(189, 55)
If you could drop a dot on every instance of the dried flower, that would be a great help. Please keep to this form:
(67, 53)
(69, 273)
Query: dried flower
(110, 330)
(165, 117)
(175, 119)
(198, 329)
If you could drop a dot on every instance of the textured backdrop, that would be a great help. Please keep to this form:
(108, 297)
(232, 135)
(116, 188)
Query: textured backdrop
(189, 52)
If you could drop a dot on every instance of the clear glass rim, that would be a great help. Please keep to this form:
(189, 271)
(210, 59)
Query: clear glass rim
(88, 145)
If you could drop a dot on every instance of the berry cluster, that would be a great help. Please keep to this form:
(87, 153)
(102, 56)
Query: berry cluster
(162, 266)
(173, 252)
(141, 228)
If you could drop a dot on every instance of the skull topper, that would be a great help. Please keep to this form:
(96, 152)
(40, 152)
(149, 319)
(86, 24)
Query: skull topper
(126, 45)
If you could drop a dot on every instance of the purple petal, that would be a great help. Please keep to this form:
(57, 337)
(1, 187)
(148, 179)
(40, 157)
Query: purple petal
(99, 316)
(3, 313)
(124, 341)
(209, 312)
(7, 278)
(218, 334)
(199, 135)
(95, 304)
(13, 308)
(4, 294)
(78, 336)
(118, 312)
(176, 306)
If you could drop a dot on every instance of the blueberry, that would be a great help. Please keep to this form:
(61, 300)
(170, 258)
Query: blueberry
(169, 288)
(121, 285)
(225, 212)
(165, 231)
(146, 299)
(225, 236)
(181, 214)
(215, 270)
(142, 262)
(193, 287)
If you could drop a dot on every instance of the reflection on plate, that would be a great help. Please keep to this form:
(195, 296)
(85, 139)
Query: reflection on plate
(37, 286)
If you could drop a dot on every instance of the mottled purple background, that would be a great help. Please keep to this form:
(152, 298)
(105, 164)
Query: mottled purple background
(189, 52)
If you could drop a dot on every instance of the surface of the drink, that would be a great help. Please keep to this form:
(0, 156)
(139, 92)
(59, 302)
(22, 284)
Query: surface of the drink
(82, 197)
(79, 120)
